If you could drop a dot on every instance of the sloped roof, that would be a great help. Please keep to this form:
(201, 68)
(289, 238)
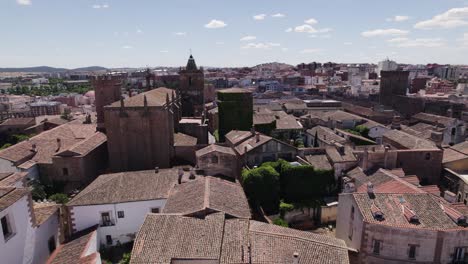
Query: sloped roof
(21, 121)
(155, 97)
(9, 196)
(129, 186)
(43, 211)
(320, 161)
(46, 143)
(408, 141)
(75, 251)
(325, 134)
(434, 119)
(164, 238)
(208, 193)
(181, 139)
(426, 206)
(214, 148)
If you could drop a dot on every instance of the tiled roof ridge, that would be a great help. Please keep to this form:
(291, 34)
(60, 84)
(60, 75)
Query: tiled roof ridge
(400, 180)
(99, 184)
(206, 195)
(72, 147)
(297, 237)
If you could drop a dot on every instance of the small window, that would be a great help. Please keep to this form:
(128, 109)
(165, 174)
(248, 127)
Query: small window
(412, 251)
(155, 210)
(65, 171)
(51, 244)
(6, 228)
(120, 214)
(109, 239)
(352, 213)
(214, 159)
(376, 247)
(427, 156)
(454, 131)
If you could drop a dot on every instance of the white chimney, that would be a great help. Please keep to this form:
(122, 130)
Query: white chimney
(370, 188)
(156, 169)
(295, 258)
(257, 137)
(180, 173)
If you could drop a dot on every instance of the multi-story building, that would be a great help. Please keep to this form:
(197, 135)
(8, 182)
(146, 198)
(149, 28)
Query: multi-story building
(45, 108)
(392, 84)
(402, 227)
(140, 130)
(387, 65)
(235, 107)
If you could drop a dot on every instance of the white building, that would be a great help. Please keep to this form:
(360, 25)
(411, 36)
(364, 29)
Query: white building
(387, 65)
(402, 228)
(30, 232)
(119, 202)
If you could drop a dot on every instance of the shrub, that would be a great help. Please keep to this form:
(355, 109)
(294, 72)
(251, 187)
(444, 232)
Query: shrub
(262, 187)
(59, 198)
(280, 222)
(284, 208)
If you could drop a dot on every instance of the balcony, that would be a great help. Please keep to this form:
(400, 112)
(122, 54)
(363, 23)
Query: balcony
(107, 223)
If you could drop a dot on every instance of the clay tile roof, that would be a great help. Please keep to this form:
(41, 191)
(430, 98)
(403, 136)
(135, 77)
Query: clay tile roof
(236, 136)
(288, 122)
(46, 143)
(408, 141)
(127, 187)
(164, 238)
(208, 193)
(25, 121)
(155, 97)
(320, 162)
(44, 211)
(384, 182)
(181, 139)
(335, 156)
(4, 175)
(74, 251)
(85, 146)
(234, 90)
(251, 143)
(434, 119)
(326, 134)
(9, 196)
(214, 148)
(13, 178)
(424, 205)
(461, 147)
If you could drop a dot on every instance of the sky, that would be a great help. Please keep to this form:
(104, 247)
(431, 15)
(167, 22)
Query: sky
(227, 33)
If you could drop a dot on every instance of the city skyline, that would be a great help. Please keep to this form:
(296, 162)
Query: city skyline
(118, 33)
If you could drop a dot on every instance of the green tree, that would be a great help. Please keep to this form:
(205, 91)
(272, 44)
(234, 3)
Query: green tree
(38, 191)
(59, 198)
(280, 222)
(125, 258)
(262, 187)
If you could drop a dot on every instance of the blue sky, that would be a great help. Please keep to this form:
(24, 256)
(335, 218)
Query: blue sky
(116, 33)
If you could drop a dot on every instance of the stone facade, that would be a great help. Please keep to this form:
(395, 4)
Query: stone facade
(107, 90)
(191, 87)
(235, 107)
(140, 130)
(392, 83)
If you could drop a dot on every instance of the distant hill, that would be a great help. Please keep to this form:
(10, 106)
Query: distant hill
(274, 66)
(47, 69)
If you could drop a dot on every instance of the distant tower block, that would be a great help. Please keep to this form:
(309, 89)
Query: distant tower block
(392, 84)
(107, 90)
(191, 87)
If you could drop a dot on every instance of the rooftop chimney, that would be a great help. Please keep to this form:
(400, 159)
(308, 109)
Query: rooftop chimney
(295, 258)
(370, 188)
(59, 144)
(396, 123)
(192, 174)
(257, 137)
(156, 169)
(180, 172)
(34, 147)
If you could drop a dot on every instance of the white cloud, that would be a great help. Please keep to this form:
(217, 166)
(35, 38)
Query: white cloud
(347, 43)
(397, 40)
(215, 24)
(384, 32)
(259, 17)
(452, 18)
(288, 30)
(248, 38)
(127, 47)
(219, 43)
(97, 6)
(260, 45)
(24, 2)
(164, 51)
(324, 30)
(278, 15)
(418, 42)
(305, 29)
(311, 21)
(464, 40)
(284, 49)
(304, 51)
(139, 31)
(181, 34)
(398, 18)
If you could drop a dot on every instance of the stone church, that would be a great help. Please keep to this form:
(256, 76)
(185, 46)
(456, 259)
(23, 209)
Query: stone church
(191, 87)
